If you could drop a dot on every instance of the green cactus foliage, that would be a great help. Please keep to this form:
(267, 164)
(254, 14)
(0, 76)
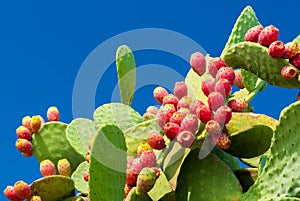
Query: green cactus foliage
(282, 164)
(262, 163)
(256, 59)
(139, 133)
(228, 159)
(289, 199)
(161, 188)
(50, 142)
(75, 198)
(126, 73)
(134, 195)
(117, 113)
(245, 21)
(108, 162)
(199, 180)
(52, 188)
(247, 177)
(80, 184)
(79, 132)
(297, 40)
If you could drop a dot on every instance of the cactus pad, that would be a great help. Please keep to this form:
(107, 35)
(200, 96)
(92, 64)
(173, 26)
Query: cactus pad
(50, 142)
(133, 195)
(228, 159)
(283, 163)
(256, 59)
(52, 188)
(199, 180)
(117, 113)
(79, 132)
(80, 184)
(247, 177)
(161, 187)
(75, 198)
(107, 173)
(126, 73)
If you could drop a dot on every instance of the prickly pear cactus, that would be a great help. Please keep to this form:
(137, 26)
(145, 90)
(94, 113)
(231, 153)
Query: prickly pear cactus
(80, 184)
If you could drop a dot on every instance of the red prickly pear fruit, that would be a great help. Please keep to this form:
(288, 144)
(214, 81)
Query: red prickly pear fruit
(223, 115)
(214, 65)
(296, 60)
(26, 121)
(213, 127)
(276, 49)
(23, 133)
(35, 123)
(290, 50)
(137, 165)
(180, 90)
(223, 142)
(64, 167)
(53, 114)
(156, 140)
(25, 147)
(215, 100)
(86, 176)
(223, 86)
(47, 168)
(159, 93)
(198, 63)
(238, 105)
(143, 146)
(289, 72)
(268, 35)
(88, 156)
(204, 113)
(185, 139)
(189, 123)
(165, 114)
(253, 33)
(22, 190)
(184, 111)
(226, 73)
(195, 104)
(148, 159)
(208, 86)
(238, 79)
(132, 171)
(171, 130)
(184, 102)
(152, 109)
(157, 172)
(146, 180)
(36, 198)
(177, 118)
(10, 193)
(170, 99)
(127, 189)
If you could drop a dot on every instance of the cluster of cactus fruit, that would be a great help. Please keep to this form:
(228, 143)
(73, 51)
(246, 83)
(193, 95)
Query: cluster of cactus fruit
(188, 147)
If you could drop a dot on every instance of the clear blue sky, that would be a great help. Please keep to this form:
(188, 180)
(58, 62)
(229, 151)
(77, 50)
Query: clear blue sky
(43, 44)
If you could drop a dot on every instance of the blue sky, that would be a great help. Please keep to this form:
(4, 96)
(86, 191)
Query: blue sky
(43, 45)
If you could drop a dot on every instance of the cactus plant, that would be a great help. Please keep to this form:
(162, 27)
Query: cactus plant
(198, 160)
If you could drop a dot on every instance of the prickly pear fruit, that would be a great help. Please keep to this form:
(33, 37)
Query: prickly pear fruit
(171, 130)
(86, 176)
(268, 35)
(226, 73)
(289, 72)
(156, 140)
(23, 133)
(88, 156)
(26, 122)
(143, 146)
(204, 113)
(152, 109)
(214, 65)
(215, 100)
(64, 167)
(146, 180)
(53, 114)
(291, 49)
(185, 139)
(177, 118)
(213, 127)
(25, 147)
(238, 80)
(195, 104)
(22, 189)
(296, 60)
(164, 114)
(238, 105)
(35, 123)
(10, 193)
(127, 189)
(180, 90)
(223, 115)
(148, 159)
(253, 33)
(189, 123)
(47, 168)
(208, 86)
(159, 93)
(276, 49)
(36, 198)
(198, 63)
(170, 99)
(223, 142)
(184, 102)
(223, 86)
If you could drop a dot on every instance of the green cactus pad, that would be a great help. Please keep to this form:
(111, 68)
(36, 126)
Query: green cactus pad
(262, 163)
(133, 195)
(117, 113)
(200, 180)
(297, 40)
(139, 133)
(107, 172)
(245, 21)
(79, 132)
(80, 184)
(75, 198)
(50, 142)
(126, 73)
(289, 199)
(256, 59)
(52, 188)
(282, 165)
(228, 159)
(247, 177)
(161, 187)
(250, 80)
